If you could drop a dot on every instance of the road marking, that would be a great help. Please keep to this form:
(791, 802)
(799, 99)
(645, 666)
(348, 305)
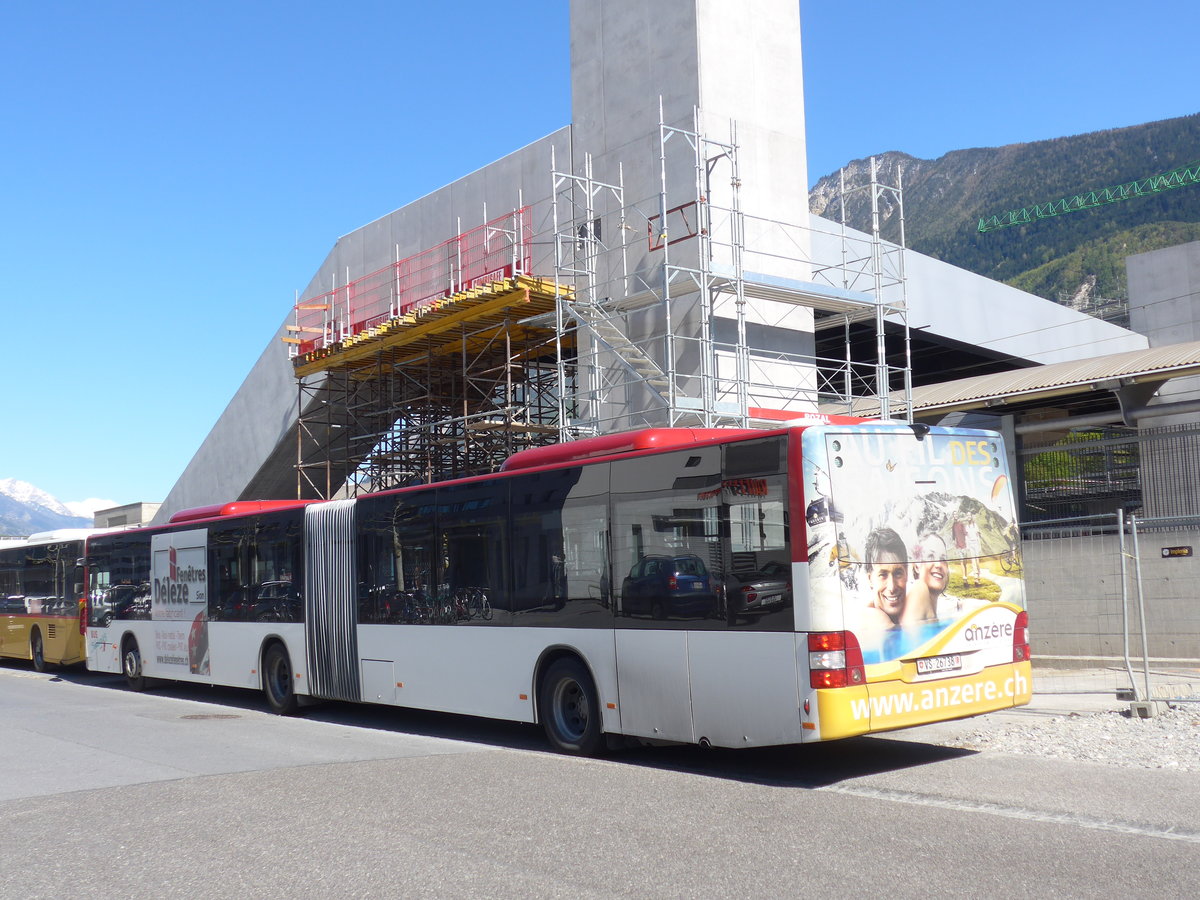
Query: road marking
(1017, 812)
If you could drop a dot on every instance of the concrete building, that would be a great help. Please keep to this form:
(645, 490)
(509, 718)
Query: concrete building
(126, 515)
(1164, 305)
(673, 208)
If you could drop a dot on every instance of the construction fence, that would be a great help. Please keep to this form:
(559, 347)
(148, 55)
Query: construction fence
(1119, 594)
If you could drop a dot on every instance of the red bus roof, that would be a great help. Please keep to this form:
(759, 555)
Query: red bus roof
(622, 442)
(236, 508)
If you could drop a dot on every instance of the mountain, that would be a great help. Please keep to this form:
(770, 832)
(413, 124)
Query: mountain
(25, 509)
(1076, 258)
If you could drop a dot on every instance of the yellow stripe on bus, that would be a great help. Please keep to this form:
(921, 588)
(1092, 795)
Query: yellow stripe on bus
(882, 706)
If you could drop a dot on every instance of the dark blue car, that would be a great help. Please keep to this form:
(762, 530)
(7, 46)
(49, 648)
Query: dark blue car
(669, 587)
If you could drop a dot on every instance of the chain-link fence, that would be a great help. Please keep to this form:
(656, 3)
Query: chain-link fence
(1116, 595)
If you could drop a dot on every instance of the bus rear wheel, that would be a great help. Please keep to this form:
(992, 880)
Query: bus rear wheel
(278, 681)
(570, 708)
(37, 651)
(131, 665)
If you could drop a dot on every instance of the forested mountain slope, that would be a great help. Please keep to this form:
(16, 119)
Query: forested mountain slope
(1076, 258)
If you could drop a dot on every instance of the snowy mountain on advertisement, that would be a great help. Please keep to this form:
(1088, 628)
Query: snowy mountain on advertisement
(25, 509)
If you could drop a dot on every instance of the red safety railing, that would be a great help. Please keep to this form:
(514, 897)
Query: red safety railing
(496, 250)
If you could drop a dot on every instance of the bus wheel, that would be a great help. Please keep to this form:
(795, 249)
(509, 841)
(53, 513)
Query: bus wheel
(278, 681)
(131, 665)
(570, 709)
(37, 652)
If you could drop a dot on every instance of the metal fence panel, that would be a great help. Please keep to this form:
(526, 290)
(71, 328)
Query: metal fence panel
(1164, 624)
(1073, 590)
(1117, 596)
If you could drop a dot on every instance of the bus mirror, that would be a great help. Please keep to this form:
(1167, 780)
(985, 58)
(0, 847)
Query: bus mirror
(920, 429)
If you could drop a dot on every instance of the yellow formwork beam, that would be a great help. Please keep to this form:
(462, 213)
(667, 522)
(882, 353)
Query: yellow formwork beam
(431, 322)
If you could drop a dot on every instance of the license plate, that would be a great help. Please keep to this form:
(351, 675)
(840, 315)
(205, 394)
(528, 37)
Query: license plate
(929, 665)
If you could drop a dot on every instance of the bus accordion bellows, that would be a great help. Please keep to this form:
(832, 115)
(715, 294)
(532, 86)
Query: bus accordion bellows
(727, 587)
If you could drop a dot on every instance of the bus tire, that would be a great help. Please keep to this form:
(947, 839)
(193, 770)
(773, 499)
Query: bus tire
(37, 651)
(131, 665)
(570, 709)
(278, 681)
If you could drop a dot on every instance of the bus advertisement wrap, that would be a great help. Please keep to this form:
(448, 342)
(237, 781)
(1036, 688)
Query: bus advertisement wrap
(895, 704)
(179, 600)
(912, 537)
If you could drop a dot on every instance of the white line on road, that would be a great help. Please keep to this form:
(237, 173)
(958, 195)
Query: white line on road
(1015, 812)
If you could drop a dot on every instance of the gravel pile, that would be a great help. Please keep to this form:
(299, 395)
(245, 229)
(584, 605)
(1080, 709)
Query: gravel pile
(1170, 740)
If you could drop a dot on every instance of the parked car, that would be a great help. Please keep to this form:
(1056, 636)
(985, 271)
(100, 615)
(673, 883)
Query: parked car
(271, 601)
(669, 587)
(121, 601)
(277, 601)
(775, 569)
(750, 593)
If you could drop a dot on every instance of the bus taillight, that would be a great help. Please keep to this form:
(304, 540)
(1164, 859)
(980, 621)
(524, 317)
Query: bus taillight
(1021, 637)
(834, 659)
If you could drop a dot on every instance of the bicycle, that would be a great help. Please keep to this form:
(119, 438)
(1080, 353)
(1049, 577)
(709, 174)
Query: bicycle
(1010, 559)
(478, 605)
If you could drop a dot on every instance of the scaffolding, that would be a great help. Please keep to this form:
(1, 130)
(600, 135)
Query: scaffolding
(663, 296)
(437, 366)
(443, 364)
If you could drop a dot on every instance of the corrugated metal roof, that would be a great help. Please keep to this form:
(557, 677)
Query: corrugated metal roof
(1056, 379)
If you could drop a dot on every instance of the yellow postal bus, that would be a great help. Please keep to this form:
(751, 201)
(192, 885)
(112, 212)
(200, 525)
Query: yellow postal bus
(41, 598)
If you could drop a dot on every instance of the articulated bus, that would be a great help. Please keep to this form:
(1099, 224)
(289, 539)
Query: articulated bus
(41, 598)
(735, 588)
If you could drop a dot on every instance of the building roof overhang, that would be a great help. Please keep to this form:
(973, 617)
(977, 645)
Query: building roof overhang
(1019, 387)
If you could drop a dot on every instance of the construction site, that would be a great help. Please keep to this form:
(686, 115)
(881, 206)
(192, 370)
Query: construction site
(652, 263)
(651, 313)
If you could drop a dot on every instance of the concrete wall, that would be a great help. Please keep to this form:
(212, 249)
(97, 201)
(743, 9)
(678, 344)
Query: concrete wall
(733, 61)
(522, 177)
(1164, 305)
(1073, 592)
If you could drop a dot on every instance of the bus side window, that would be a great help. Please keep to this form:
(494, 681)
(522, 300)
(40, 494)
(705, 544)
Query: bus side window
(275, 582)
(472, 544)
(229, 600)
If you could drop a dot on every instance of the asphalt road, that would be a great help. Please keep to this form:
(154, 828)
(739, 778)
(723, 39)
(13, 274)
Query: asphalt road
(196, 792)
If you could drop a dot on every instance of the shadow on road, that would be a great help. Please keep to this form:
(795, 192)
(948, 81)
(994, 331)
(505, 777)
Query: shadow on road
(802, 766)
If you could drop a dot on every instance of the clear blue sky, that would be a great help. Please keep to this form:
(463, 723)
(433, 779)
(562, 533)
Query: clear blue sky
(175, 170)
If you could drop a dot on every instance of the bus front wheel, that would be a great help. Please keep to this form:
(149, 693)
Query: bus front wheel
(131, 665)
(570, 708)
(278, 681)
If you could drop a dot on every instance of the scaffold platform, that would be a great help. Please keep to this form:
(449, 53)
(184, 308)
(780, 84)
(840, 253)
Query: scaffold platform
(465, 321)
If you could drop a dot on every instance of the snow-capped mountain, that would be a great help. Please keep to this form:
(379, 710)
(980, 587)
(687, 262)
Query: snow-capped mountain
(25, 493)
(25, 509)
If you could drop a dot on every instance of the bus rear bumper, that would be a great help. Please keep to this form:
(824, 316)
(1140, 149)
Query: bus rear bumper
(888, 705)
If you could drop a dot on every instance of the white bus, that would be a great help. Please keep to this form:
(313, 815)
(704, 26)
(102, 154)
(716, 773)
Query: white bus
(735, 588)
